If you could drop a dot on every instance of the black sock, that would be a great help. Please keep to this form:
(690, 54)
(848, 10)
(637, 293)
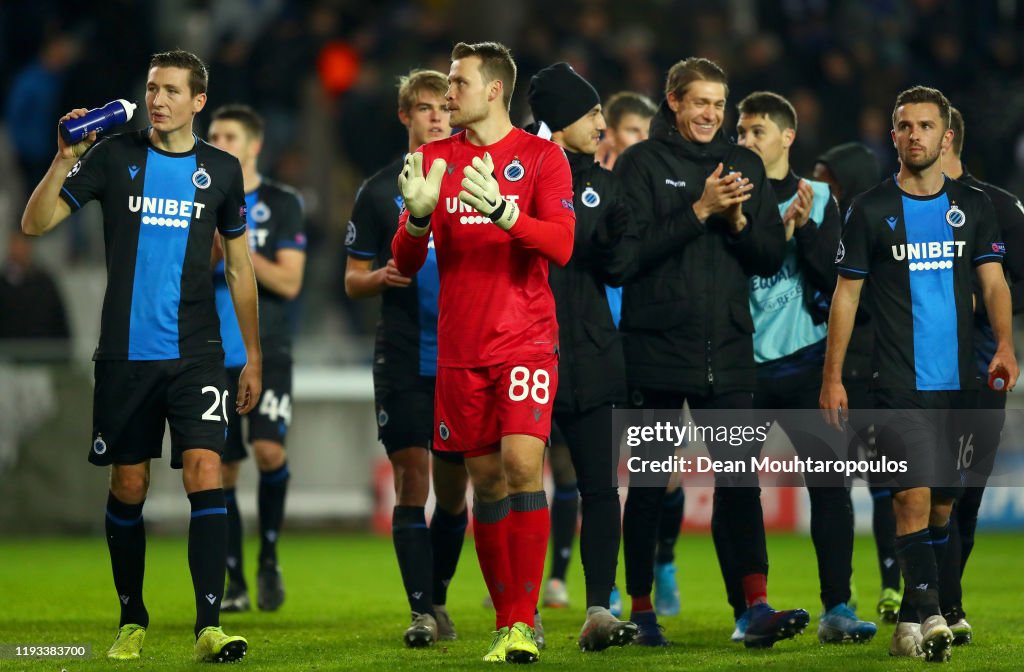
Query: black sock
(966, 512)
(564, 511)
(447, 532)
(668, 528)
(599, 544)
(207, 551)
(832, 533)
(946, 546)
(415, 558)
(126, 540)
(234, 561)
(920, 576)
(273, 488)
(883, 524)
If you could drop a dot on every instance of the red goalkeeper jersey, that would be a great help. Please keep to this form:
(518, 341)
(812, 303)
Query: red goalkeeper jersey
(495, 304)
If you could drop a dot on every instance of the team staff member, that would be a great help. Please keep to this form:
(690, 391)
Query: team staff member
(404, 370)
(628, 117)
(164, 193)
(789, 346)
(706, 221)
(918, 239)
(277, 240)
(591, 368)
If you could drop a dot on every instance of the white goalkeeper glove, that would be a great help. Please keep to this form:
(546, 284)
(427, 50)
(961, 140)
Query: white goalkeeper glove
(420, 193)
(480, 192)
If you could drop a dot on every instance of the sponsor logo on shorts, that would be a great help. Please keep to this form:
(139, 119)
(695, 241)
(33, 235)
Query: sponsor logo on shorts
(442, 431)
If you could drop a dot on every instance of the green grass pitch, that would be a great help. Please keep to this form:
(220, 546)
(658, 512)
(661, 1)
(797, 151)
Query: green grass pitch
(345, 610)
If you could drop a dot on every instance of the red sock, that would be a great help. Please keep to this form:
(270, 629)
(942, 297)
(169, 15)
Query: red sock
(641, 603)
(755, 588)
(528, 547)
(492, 550)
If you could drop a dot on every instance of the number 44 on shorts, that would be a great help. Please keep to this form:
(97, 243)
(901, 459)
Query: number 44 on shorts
(520, 386)
(274, 407)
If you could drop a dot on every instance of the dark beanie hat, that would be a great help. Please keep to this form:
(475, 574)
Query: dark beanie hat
(559, 96)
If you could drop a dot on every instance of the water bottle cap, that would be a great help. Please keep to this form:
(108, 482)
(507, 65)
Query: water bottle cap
(129, 108)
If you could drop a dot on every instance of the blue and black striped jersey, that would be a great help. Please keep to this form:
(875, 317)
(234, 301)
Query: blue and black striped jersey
(918, 254)
(160, 211)
(274, 222)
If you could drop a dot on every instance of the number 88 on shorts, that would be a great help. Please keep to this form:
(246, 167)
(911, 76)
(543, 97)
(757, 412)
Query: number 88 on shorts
(474, 408)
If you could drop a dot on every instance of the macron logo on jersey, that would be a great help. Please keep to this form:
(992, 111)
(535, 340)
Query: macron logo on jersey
(452, 204)
(931, 255)
(165, 211)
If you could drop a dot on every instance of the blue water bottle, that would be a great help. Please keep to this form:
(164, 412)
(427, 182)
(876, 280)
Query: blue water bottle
(101, 119)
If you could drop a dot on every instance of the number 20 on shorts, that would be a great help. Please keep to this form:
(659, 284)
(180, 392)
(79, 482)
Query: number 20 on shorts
(523, 383)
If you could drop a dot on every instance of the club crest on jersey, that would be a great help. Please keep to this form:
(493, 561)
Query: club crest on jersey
(350, 233)
(260, 212)
(514, 171)
(955, 217)
(442, 431)
(590, 198)
(201, 178)
(99, 446)
(74, 169)
(841, 252)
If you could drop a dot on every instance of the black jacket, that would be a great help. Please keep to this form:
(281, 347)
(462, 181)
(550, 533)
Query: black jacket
(591, 367)
(685, 310)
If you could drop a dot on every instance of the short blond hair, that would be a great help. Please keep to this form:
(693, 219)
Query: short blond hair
(417, 81)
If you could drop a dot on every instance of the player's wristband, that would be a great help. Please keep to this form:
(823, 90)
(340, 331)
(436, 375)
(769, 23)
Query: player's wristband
(505, 215)
(418, 226)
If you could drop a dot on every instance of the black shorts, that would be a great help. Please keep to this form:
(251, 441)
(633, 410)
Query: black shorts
(405, 418)
(133, 400)
(926, 430)
(271, 418)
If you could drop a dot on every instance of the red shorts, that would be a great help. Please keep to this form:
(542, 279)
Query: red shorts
(474, 408)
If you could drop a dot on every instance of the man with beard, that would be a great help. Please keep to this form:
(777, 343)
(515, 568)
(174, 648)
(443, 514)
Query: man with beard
(916, 240)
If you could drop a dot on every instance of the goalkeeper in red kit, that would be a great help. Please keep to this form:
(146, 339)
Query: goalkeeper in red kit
(497, 203)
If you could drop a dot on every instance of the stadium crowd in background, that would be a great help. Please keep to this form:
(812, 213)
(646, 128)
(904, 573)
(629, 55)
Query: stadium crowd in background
(323, 75)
